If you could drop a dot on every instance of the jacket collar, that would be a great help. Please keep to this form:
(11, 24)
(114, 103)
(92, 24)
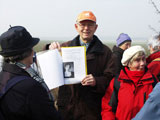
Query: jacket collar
(117, 49)
(13, 69)
(153, 56)
(124, 77)
(95, 46)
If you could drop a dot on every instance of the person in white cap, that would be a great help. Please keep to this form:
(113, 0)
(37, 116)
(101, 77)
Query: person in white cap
(128, 92)
(83, 101)
(151, 109)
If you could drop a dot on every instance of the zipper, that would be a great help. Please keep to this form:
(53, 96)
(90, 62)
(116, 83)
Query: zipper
(144, 97)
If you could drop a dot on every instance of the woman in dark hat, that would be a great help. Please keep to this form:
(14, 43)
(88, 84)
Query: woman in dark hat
(28, 99)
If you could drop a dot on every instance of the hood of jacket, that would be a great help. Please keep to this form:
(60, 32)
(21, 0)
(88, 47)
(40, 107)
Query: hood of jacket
(153, 56)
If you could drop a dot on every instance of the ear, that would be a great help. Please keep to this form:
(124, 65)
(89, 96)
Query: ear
(96, 27)
(32, 52)
(151, 49)
(76, 26)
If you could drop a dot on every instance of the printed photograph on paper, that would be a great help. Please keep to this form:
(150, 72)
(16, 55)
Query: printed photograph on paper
(68, 69)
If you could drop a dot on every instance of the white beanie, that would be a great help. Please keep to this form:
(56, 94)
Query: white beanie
(129, 53)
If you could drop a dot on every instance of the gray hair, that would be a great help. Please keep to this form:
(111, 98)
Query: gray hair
(17, 58)
(154, 42)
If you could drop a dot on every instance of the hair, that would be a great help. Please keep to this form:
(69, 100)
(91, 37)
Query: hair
(68, 65)
(135, 56)
(154, 42)
(16, 58)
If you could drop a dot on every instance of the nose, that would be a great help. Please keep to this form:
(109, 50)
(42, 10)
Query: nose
(143, 62)
(86, 26)
(128, 46)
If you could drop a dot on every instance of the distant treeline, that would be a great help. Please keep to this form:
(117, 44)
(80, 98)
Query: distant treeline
(42, 43)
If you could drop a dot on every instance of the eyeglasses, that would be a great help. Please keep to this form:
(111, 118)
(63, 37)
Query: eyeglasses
(90, 25)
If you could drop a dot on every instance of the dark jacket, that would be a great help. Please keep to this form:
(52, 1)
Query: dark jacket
(27, 100)
(125, 103)
(77, 102)
(117, 54)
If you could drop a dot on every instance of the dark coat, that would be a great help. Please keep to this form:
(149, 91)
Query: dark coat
(77, 102)
(27, 100)
(117, 54)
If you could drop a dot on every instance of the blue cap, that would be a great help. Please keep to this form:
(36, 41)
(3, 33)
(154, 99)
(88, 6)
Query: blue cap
(123, 38)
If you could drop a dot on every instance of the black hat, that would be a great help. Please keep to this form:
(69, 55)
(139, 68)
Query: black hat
(16, 41)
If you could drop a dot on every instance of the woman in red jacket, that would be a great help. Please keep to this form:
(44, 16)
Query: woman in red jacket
(135, 83)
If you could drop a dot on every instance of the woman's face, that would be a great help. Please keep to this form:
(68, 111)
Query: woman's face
(125, 45)
(67, 67)
(138, 64)
(28, 60)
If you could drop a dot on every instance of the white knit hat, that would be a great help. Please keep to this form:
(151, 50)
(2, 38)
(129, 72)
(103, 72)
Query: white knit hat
(129, 53)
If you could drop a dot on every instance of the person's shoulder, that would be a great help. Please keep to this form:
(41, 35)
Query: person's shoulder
(27, 84)
(154, 64)
(107, 48)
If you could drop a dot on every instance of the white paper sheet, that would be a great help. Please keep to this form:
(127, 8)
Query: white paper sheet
(50, 63)
(76, 57)
(57, 70)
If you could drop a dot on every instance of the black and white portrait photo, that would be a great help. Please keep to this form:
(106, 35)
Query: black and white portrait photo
(68, 69)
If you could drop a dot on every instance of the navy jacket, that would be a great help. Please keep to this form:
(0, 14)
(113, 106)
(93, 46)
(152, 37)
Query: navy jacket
(27, 100)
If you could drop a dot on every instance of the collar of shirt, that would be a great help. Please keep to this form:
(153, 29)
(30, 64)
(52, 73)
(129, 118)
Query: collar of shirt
(84, 44)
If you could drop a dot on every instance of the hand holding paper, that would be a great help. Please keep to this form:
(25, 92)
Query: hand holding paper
(89, 80)
(57, 70)
(55, 45)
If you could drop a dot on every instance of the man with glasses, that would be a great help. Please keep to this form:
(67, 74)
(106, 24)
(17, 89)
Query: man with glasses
(83, 101)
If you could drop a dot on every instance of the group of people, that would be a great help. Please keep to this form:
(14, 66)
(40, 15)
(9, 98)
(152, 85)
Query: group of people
(118, 83)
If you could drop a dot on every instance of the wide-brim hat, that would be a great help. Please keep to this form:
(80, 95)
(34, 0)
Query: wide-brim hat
(16, 41)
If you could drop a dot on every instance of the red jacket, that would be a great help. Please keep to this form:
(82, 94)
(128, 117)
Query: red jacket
(154, 63)
(131, 96)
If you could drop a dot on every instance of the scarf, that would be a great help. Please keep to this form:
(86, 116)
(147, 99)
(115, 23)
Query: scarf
(36, 77)
(135, 76)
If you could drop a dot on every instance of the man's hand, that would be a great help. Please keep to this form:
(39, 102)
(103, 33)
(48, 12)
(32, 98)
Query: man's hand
(89, 80)
(55, 45)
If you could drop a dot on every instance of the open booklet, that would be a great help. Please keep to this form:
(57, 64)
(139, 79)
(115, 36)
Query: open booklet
(68, 68)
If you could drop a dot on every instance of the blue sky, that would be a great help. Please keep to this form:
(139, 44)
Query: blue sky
(55, 19)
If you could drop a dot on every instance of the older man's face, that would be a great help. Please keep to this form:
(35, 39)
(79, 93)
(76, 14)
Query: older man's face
(86, 30)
